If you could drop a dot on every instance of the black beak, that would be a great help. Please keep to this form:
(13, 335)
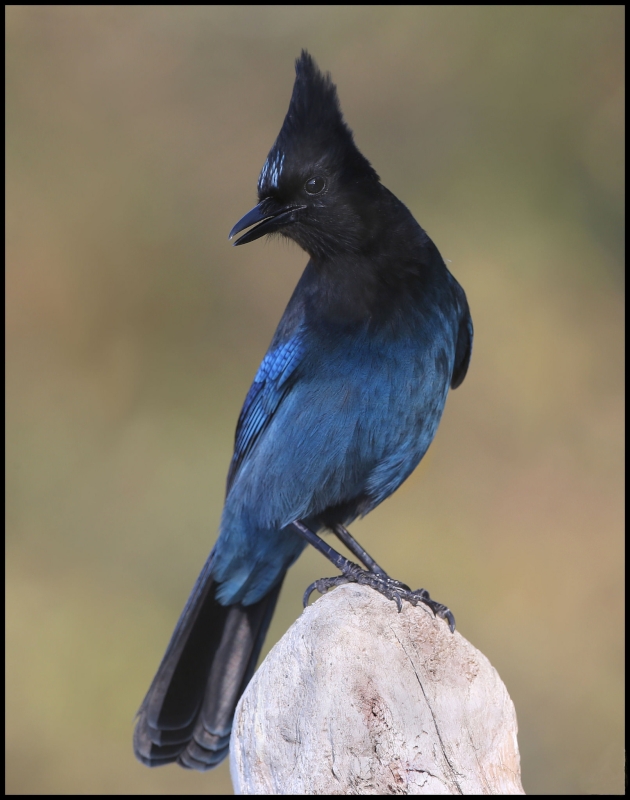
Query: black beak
(269, 220)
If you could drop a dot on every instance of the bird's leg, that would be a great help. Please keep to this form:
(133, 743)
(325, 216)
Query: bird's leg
(344, 535)
(353, 573)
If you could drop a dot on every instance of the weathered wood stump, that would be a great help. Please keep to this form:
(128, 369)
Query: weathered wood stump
(359, 699)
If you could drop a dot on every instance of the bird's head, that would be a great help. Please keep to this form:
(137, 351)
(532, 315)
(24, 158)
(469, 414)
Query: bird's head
(315, 186)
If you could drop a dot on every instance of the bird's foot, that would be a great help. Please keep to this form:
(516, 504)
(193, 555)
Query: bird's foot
(388, 587)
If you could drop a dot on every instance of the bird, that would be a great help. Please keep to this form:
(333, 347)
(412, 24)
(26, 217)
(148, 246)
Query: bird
(342, 409)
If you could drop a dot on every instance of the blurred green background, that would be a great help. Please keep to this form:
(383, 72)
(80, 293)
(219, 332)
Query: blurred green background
(135, 136)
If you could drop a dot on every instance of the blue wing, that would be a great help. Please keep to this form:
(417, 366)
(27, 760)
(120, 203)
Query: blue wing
(273, 380)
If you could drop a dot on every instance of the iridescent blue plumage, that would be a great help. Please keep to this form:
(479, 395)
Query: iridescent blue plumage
(266, 392)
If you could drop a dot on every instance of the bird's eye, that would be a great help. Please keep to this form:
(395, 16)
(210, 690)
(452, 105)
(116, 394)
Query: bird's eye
(315, 185)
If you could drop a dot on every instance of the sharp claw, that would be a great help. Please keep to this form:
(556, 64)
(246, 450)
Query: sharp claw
(398, 602)
(448, 617)
(307, 594)
(443, 613)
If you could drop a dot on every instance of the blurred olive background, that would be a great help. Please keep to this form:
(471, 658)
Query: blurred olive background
(135, 136)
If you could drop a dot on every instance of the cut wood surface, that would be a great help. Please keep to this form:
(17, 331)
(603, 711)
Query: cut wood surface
(357, 698)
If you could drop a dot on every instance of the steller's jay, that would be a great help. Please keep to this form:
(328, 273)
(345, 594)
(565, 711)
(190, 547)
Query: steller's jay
(343, 407)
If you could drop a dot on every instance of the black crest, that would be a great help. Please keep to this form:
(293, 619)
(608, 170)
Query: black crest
(313, 129)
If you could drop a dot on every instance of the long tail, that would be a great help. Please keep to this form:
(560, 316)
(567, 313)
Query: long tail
(187, 714)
